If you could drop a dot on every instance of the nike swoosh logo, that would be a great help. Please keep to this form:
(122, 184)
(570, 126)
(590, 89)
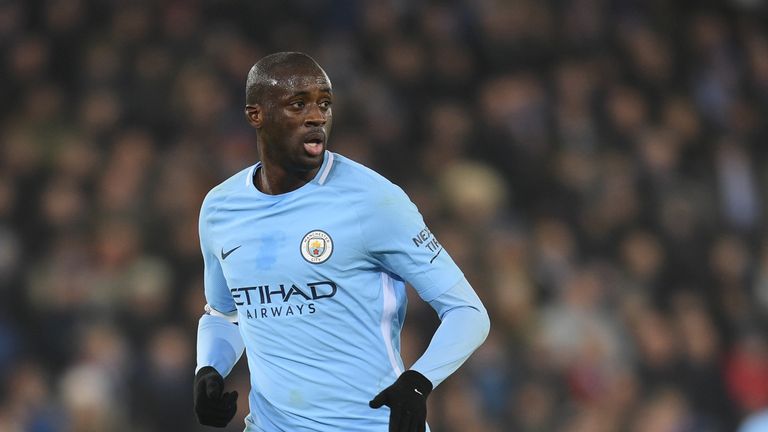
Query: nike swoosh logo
(224, 255)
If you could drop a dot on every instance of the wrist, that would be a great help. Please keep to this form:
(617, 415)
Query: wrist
(418, 381)
(205, 371)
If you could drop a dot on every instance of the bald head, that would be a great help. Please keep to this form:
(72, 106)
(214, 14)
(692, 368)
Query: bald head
(278, 70)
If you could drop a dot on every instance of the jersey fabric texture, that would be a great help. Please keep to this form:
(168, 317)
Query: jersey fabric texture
(757, 422)
(316, 279)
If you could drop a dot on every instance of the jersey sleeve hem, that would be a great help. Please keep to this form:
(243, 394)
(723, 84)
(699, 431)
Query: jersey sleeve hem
(438, 289)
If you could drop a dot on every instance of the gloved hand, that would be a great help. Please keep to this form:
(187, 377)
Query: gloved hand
(211, 406)
(407, 401)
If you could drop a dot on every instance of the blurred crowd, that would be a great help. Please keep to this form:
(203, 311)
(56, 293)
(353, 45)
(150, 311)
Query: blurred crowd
(596, 167)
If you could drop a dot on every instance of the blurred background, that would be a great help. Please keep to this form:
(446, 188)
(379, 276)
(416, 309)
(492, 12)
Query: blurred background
(596, 167)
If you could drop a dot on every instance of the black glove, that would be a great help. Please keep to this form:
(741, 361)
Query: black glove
(211, 406)
(407, 401)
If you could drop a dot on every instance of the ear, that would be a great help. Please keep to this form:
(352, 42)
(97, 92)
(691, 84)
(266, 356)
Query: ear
(255, 115)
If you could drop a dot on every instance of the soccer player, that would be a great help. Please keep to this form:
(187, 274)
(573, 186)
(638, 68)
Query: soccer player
(306, 257)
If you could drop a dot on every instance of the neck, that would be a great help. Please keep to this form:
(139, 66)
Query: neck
(273, 179)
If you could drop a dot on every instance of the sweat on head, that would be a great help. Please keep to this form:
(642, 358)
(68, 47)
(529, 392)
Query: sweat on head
(287, 70)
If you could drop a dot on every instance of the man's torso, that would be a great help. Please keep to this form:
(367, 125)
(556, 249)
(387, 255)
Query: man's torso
(320, 318)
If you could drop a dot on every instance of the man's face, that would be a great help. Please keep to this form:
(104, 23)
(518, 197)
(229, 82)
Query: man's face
(297, 119)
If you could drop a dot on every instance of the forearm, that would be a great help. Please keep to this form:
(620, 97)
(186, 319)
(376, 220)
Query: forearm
(219, 343)
(464, 326)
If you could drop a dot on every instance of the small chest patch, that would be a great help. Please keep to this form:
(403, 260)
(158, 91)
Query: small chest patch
(316, 247)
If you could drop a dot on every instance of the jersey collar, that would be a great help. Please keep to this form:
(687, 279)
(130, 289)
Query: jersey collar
(321, 177)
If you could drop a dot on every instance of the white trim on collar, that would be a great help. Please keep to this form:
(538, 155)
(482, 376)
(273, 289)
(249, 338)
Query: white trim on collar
(327, 169)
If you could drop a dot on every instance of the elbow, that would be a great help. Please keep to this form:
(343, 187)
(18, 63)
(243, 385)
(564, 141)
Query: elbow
(480, 322)
(484, 324)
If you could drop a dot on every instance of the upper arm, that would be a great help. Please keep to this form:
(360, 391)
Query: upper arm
(217, 293)
(397, 237)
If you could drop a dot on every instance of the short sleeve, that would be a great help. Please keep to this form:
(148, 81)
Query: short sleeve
(396, 236)
(216, 292)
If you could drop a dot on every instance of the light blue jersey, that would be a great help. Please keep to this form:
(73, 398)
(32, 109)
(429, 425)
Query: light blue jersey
(316, 277)
(757, 422)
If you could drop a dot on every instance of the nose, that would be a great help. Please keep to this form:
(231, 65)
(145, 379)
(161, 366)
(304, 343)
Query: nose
(315, 117)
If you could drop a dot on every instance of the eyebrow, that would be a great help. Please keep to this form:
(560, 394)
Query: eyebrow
(304, 92)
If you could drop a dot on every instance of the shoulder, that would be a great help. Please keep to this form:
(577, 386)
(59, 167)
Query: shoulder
(372, 195)
(221, 192)
(354, 178)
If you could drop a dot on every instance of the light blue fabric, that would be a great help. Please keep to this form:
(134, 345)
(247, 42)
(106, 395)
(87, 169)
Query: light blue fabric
(317, 278)
(219, 344)
(464, 326)
(250, 426)
(756, 423)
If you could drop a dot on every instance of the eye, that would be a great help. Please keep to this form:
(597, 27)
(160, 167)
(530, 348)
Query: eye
(324, 104)
(298, 104)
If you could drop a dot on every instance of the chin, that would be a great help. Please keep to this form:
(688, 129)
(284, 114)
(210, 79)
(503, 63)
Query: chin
(315, 161)
(307, 162)
(311, 157)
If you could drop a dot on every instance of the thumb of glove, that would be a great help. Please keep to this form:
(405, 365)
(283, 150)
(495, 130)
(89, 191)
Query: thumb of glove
(379, 400)
(230, 398)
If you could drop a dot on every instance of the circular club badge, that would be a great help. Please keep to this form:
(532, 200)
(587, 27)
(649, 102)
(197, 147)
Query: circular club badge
(316, 247)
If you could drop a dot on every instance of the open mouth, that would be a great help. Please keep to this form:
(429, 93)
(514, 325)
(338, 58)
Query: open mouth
(313, 144)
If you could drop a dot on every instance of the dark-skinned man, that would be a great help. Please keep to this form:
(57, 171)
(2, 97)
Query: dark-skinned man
(306, 257)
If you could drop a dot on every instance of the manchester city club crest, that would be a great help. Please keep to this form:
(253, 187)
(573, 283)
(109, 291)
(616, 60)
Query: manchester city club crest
(316, 247)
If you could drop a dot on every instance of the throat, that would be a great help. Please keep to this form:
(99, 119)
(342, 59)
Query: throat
(277, 181)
